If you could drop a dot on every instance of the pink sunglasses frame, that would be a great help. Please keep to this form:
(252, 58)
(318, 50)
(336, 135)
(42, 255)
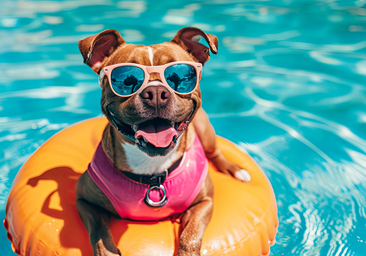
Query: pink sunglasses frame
(107, 71)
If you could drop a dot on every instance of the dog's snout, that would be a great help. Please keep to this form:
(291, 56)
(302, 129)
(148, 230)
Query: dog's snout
(156, 96)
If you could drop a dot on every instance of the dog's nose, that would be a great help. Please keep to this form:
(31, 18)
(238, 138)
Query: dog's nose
(156, 96)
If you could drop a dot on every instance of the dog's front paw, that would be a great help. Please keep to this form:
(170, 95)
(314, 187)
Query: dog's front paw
(102, 250)
(189, 246)
(223, 165)
(242, 175)
(186, 253)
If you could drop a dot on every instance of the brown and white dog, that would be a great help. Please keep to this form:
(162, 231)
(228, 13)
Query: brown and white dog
(156, 103)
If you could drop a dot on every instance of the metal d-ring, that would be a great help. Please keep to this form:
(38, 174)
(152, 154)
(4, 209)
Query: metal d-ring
(150, 202)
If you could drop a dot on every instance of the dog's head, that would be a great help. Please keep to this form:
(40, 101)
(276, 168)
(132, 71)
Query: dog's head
(156, 116)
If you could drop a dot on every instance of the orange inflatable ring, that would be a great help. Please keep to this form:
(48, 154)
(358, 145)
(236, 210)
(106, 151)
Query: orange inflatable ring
(41, 216)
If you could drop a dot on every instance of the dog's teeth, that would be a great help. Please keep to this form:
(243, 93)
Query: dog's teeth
(134, 128)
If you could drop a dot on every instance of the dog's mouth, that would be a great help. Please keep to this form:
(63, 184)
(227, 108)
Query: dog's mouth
(155, 136)
(158, 132)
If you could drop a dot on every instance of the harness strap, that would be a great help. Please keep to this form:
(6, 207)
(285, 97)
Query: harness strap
(152, 180)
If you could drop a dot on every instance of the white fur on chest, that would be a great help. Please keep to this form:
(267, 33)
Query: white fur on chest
(140, 163)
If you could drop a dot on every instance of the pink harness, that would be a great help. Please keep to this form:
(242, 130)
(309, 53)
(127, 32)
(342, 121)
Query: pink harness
(128, 196)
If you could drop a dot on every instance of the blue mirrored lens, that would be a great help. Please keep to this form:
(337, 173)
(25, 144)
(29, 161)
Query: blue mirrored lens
(127, 79)
(181, 77)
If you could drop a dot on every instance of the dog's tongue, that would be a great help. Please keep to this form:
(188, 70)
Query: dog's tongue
(160, 135)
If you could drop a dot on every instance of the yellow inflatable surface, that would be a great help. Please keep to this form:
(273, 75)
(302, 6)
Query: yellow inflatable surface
(41, 215)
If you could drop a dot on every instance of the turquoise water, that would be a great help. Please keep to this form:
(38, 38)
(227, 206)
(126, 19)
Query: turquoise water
(288, 85)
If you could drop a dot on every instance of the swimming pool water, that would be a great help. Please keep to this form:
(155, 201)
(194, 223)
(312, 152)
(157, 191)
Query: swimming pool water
(288, 85)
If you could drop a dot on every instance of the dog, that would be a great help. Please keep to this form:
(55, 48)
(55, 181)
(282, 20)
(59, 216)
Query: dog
(152, 100)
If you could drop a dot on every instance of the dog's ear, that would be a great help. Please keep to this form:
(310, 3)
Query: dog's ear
(98, 47)
(188, 39)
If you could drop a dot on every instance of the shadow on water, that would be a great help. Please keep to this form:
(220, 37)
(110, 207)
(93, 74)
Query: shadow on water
(4, 242)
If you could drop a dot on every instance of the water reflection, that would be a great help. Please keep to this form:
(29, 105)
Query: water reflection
(288, 85)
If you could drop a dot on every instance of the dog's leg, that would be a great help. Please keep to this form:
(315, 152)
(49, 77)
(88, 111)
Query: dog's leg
(95, 218)
(195, 220)
(206, 133)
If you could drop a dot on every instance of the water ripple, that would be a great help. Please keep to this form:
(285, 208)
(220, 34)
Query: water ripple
(288, 86)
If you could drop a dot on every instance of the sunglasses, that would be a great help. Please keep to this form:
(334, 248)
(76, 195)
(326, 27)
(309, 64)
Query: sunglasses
(126, 79)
